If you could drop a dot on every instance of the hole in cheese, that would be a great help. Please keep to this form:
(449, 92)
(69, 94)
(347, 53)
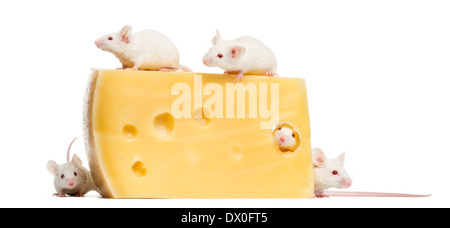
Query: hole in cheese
(204, 121)
(139, 169)
(129, 131)
(164, 124)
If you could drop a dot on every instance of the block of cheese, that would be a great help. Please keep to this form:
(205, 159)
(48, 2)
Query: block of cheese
(195, 135)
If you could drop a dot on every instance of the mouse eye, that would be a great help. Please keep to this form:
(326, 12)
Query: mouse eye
(75, 173)
(220, 55)
(293, 135)
(335, 172)
(279, 129)
(110, 38)
(62, 176)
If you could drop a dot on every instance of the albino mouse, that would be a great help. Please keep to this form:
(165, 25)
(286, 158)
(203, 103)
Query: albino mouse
(71, 178)
(244, 55)
(144, 50)
(286, 137)
(330, 173)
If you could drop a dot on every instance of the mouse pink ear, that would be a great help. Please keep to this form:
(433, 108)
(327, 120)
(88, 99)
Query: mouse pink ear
(341, 158)
(318, 157)
(238, 51)
(216, 38)
(76, 161)
(52, 167)
(125, 33)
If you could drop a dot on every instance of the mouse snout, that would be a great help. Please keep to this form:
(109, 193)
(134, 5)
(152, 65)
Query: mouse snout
(71, 182)
(345, 183)
(282, 139)
(99, 44)
(207, 61)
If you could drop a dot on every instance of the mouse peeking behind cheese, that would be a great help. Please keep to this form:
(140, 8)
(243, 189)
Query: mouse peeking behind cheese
(244, 55)
(286, 137)
(329, 173)
(71, 178)
(144, 50)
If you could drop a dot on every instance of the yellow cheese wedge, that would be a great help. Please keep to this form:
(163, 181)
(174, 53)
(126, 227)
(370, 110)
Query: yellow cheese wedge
(195, 135)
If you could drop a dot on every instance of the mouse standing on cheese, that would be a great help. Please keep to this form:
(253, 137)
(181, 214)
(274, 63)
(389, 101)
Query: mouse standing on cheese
(286, 137)
(144, 50)
(71, 178)
(330, 173)
(244, 55)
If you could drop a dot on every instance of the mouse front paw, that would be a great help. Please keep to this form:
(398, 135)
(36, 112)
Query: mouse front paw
(238, 77)
(80, 194)
(321, 195)
(59, 194)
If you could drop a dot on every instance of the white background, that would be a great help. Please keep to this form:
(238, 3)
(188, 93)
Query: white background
(377, 74)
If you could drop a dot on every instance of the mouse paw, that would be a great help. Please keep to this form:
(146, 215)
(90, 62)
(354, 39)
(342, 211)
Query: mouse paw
(59, 194)
(167, 70)
(238, 78)
(271, 74)
(80, 194)
(134, 68)
(100, 193)
(231, 72)
(321, 195)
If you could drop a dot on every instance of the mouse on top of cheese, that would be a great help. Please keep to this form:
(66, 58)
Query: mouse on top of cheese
(286, 137)
(144, 50)
(243, 55)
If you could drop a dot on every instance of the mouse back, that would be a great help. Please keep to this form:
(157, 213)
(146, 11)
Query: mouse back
(245, 53)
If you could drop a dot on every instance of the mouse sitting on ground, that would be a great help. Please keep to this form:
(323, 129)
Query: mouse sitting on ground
(71, 178)
(328, 173)
(144, 50)
(244, 55)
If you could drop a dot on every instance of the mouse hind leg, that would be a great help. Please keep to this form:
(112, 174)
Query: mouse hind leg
(271, 74)
(165, 69)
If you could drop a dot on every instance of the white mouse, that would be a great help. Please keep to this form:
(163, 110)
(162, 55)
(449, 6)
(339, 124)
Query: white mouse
(286, 137)
(244, 55)
(329, 173)
(71, 178)
(144, 50)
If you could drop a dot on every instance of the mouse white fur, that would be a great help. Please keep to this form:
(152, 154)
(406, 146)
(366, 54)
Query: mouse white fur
(286, 137)
(144, 50)
(244, 55)
(329, 173)
(71, 178)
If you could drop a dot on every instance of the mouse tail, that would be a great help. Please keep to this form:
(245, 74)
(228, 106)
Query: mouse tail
(68, 150)
(185, 69)
(369, 194)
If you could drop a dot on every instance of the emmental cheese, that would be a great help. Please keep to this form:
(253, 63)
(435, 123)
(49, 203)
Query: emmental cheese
(195, 135)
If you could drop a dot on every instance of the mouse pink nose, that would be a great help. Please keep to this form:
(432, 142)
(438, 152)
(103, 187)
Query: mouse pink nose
(282, 139)
(71, 183)
(346, 183)
(98, 43)
(207, 61)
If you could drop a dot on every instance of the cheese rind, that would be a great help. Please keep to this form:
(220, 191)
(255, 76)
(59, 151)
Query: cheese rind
(139, 148)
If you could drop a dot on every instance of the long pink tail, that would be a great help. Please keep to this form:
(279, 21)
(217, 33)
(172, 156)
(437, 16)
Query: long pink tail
(68, 150)
(185, 69)
(369, 194)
